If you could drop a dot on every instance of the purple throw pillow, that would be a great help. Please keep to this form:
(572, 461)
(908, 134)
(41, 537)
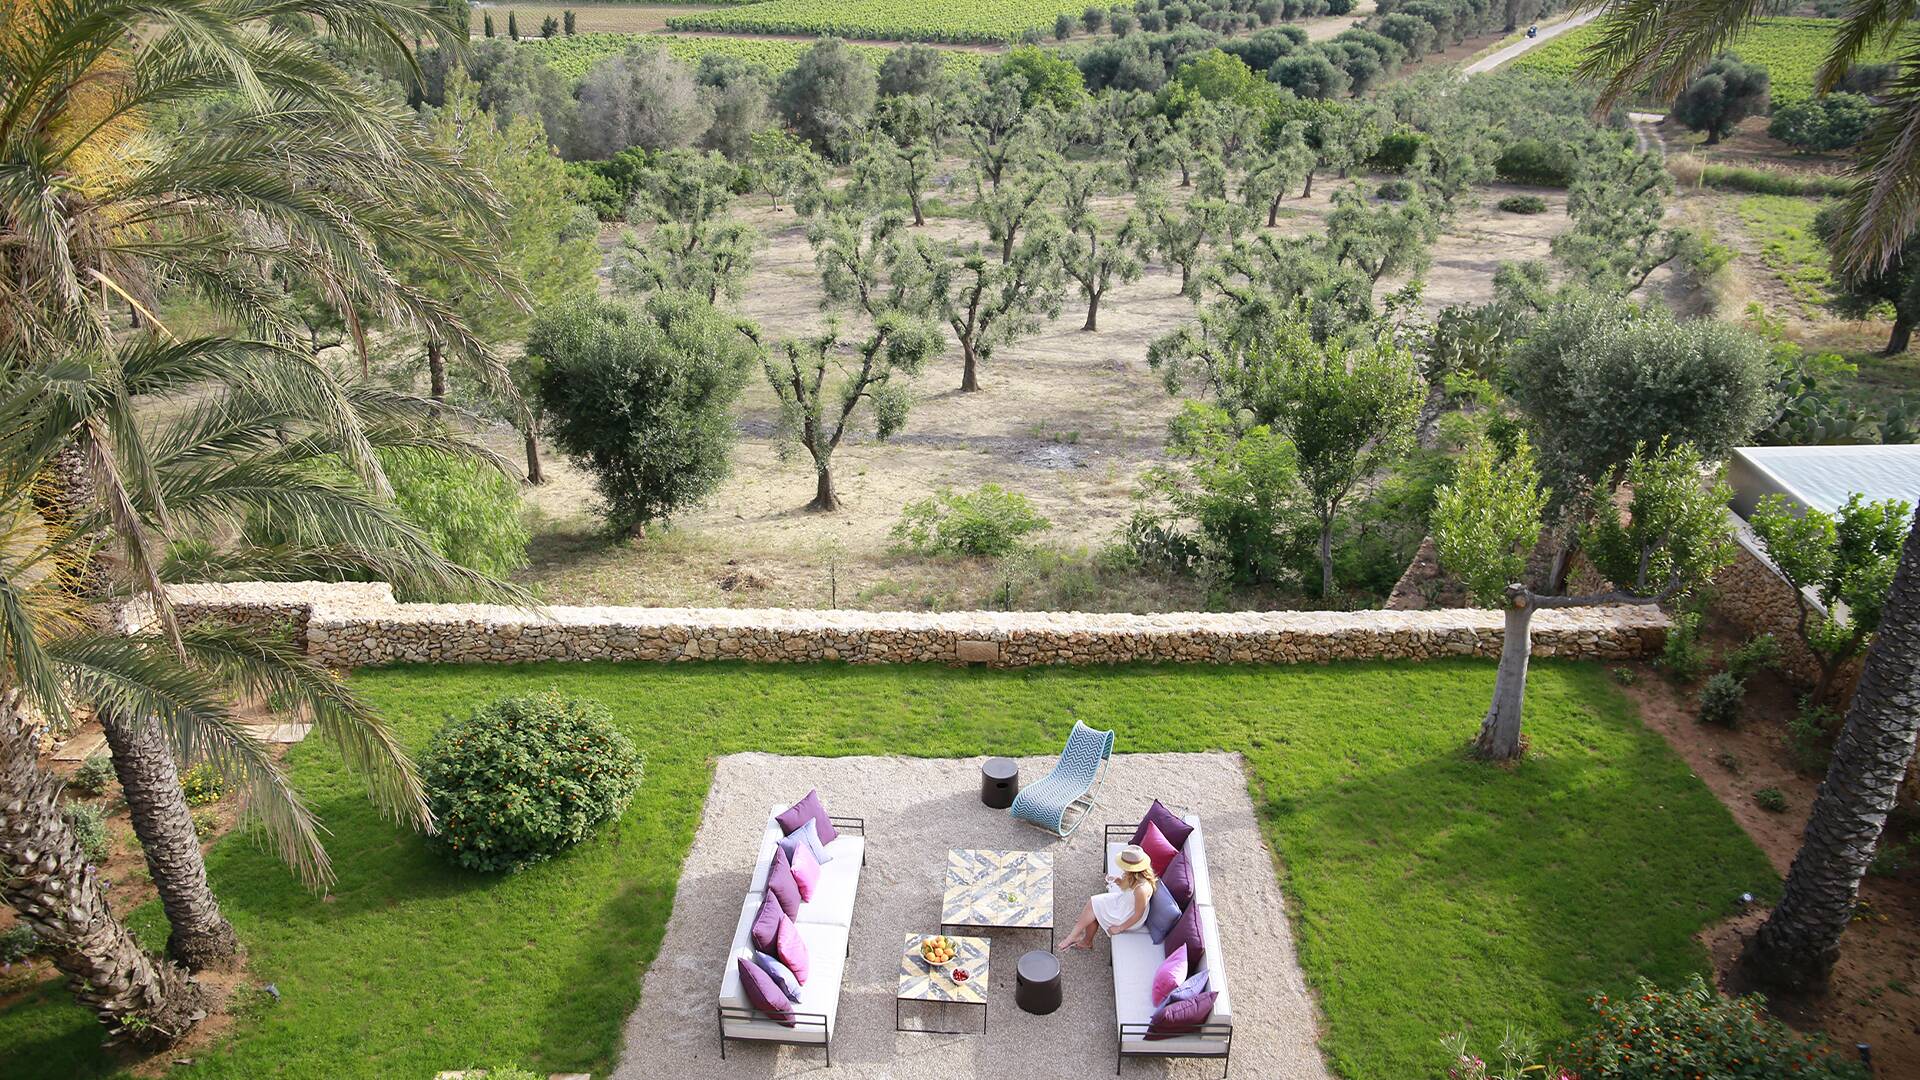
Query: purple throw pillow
(1179, 878)
(1195, 984)
(1182, 1017)
(807, 809)
(781, 885)
(1171, 827)
(764, 995)
(766, 925)
(1160, 851)
(1186, 931)
(1162, 913)
(808, 835)
(783, 976)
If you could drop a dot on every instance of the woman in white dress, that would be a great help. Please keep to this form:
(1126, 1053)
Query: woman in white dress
(1122, 906)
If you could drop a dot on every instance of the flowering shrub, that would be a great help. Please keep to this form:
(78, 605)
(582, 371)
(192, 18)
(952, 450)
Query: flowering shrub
(1697, 1031)
(525, 778)
(203, 784)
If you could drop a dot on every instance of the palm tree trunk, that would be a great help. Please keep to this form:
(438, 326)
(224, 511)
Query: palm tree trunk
(143, 762)
(436, 372)
(45, 878)
(1797, 946)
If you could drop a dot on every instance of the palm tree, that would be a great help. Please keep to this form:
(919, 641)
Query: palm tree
(1796, 947)
(45, 878)
(284, 168)
(254, 458)
(1660, 44)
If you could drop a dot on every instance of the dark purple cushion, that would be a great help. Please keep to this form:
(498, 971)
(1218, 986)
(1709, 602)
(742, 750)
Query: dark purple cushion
(1162, 913)
(1171, 827)
(1186, 931)
(807, 809)
(1179, 878)
(766, 925)
(765, 996)
(782, 886)
(1180, 1017)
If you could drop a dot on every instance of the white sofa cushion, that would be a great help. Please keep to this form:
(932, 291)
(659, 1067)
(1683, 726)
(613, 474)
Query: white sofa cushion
(730, 992)
(763, 862)
(833, 894)
(1196, 850)
(826, 966)
(1135, 959)
(1215, 963)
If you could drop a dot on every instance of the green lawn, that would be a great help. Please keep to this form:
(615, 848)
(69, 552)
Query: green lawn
(1428, 891)
(1783, 227)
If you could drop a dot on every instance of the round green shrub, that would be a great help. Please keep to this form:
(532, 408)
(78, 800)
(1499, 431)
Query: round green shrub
(1720, 699)
(203, 784)
(524, 778)
(17, 942)
(89, 825)
(1524, 204)
(1395, 190)
(1531, 161)
(990, 520)
(92, 776)
(1655, 1034)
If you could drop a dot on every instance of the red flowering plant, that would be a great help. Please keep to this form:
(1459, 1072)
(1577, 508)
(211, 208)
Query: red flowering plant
(1696, 1031)
(1519, 1059)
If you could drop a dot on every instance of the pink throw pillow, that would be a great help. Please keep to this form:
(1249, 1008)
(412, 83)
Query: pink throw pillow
(790, 949)
(806, 870)
(1172, 972)
(1159, 852)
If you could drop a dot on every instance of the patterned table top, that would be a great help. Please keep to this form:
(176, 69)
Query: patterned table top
(920, 981)
(998, 888)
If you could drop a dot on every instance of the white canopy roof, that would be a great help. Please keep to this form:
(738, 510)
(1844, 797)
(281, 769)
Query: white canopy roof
(1822, 477)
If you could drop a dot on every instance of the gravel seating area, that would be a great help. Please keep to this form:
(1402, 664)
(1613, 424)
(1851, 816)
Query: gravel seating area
(916, 810)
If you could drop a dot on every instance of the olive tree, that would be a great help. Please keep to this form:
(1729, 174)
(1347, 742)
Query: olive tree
(1180, 234)
(642, 97)
(1020, 203)
(1671, 538)
(1725, 92)
(1847, 559)
(1866, 291)
(1276, 165)
(1597, 375)
(1619, 236)
(641, 396)
(692, 246)
(989, 304)
(821, 381)
(828, 93)
(1094, 254)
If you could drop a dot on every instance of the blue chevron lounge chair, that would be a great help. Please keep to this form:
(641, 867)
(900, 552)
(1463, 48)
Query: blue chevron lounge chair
(1071, 784)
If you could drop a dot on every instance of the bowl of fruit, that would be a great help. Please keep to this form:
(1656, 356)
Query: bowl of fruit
(938, 952)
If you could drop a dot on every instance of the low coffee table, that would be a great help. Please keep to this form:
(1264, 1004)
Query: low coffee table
(921, 981)
(1010, 890)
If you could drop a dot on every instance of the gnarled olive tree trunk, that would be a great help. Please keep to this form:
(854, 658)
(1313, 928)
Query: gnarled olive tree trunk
(144, 763)
(1796, 947)
(45, 877)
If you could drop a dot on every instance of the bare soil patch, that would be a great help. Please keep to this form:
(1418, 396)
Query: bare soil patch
(1069, 418)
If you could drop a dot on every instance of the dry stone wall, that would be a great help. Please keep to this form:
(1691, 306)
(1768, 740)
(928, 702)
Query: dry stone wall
(357, 625)
(1751, 594)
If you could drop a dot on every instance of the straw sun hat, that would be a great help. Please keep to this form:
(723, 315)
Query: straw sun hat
(1133, 860)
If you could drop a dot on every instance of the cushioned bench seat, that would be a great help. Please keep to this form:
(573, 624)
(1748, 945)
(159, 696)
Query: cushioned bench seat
(825, 923)
(1136, 958)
